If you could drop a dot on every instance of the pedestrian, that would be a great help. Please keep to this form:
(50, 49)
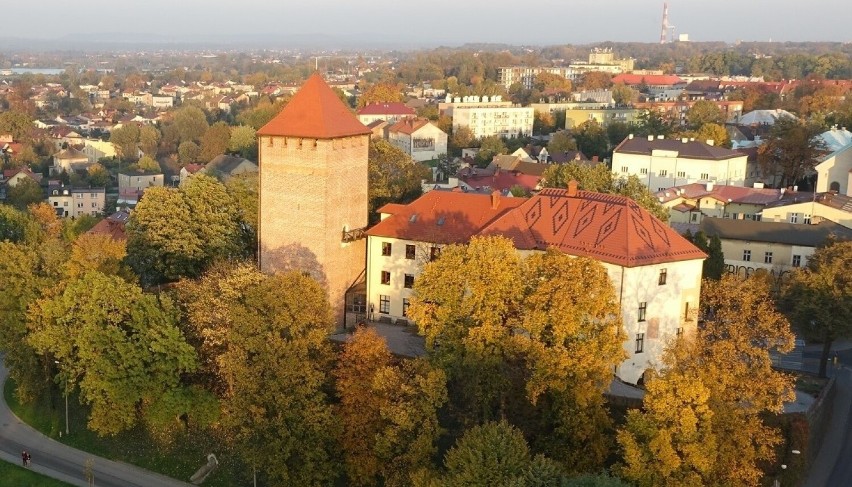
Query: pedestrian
(24, 458)
(835, 359)
(29, 459)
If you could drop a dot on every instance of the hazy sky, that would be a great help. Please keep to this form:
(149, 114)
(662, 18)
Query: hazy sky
(437, 21)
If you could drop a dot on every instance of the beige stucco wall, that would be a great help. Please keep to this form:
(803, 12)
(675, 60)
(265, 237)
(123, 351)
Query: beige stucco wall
(800, 210)
(835, 168)
(665, 169)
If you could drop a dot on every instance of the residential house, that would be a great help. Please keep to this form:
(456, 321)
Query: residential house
(834, 172)
(225, 167)
(379, 129)
(810, 209)
(419, 138)
(75, 202)
(162, 101)
(96, 149)
(139, 180)
(11, 177)
(776, 247)
(188, 170)
(112, 226)
(655, 272)
(604, 115)
(389, 112)
(69, 160)
(662, 163)
(763, 118)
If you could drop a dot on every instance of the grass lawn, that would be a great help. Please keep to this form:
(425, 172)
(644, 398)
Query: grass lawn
(810, 384)
(178, 459)
(15, 476)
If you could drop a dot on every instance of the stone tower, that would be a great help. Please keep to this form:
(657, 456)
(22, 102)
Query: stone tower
(313, 191)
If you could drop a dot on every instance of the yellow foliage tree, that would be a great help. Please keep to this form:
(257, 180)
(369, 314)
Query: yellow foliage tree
(97, 253)
(381, 93)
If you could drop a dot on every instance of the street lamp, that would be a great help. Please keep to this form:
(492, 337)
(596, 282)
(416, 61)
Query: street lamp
(66, 400)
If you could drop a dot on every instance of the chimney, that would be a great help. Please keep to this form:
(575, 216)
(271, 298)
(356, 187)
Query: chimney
(709, 185)
(630, 136)
(572, 188)
(650, 138)
(495, 199)
(710, 142)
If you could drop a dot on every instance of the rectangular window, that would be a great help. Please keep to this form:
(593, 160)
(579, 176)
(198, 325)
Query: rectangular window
(640, 342)
(384, 304)
(93, 195)
(409, 252)
(767, 257)
(806, 219)
(94, 205)
(794, 218)
(694, 217)
(405, 304)
(643, 170)
(681, 174)
(663, 275)
(643, 308)
(79, 205)
(663, 173)
(385, 277)
(679, 331)
(386, 248)
(735, 216)
(686, 312)
(705, 175)
(747, 255)
(434, 253)
(79, 195)
(409, 281)
(797, 261)
(758, 217)
(624, 169)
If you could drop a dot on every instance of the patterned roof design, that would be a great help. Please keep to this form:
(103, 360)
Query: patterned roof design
(609, 228)
(315, 112)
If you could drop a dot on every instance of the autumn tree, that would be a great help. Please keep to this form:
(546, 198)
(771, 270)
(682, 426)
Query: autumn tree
(388, 411)
(461, 138)
(98, 176)
(623, 94)
(819, 296)
(120, 346)
(176, 232)
(509, 335)
(381, 93)
(790, 151)
(126, 141)
(148, 164)
(243, 188)
(595, 80)
(188, 152)
(393, 176)
(591, 138)
(704, 112)
(25, 193)
(95, 252)
(18, 124)
(714, 132)
(215, 141)
(277, 354)
(262, 113)
(488, 148)
(652, 122)
(149, 140)
(561, 141)
(543, 122)
(243, 141)
(497, 455)
(191, 123)
(552, 82)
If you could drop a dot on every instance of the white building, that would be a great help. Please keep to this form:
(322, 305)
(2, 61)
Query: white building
(420, 139)
(662, 163)
(834, 172)
(162, 101)
(487, 118)
(96, 149)
(389, 112)
(655, 272)
(525, 75)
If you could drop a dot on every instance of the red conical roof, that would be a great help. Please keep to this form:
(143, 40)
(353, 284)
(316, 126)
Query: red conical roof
(315, 112)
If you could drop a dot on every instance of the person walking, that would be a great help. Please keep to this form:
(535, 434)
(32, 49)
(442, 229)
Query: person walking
(24, 458)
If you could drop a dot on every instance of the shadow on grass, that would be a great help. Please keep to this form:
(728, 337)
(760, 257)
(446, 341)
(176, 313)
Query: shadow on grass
(178, 459)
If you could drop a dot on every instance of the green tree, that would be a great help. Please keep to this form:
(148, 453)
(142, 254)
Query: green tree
(591, 139)
(25, 193)
(561, 142)
(714, 132)
(261, 114)
(552, 82)
(275, 368)
(177, 232)
(623, 94)
(120, 346)
(147, 163)
(126, 141)
(244, 142)
(98, 176)
(596, 80)
(591, 480)
(215, 141)
(704, 112)
(652, 122)
(16, 226)
(17, 123)
(819, 296)
(488, 148)
(790, 151)
(191, 123)
(393, 176)
(616, 132)
(461, 138)
(714, 265)
(496, 455)
(149, 140)
(243, 188)
(189, 152)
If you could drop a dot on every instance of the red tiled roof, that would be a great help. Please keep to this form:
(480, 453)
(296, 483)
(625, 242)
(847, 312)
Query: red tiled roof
(316, 112)
(443, 217)
(193, 168)
(389, 108)
(648, 79)
(736, 194)
(609, 228)
(408, 126)
(112, 226)
(692, 149)
(503, 180)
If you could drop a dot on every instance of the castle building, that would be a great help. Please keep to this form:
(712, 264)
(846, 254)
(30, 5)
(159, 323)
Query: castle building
(313, 191)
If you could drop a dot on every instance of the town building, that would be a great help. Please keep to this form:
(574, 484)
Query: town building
(225, 167)
(486, 118)
(389, 112)
(112, 226)
(834, 171)
(69, 160)
(139, 180)
(811, 208)
(419, 138)
(96, 149)
(603, 115)
(525, 75)
(662, 163)
(678, 109)
(313, 192)
(75, 202)
(692, 203)
(655, 272)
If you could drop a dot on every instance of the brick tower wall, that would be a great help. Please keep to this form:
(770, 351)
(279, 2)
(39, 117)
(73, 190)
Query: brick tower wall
(310, 190)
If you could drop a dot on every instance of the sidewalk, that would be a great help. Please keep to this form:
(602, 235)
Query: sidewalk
(53, 459)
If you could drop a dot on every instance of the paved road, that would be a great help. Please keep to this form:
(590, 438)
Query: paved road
(51, 458)
(832, 466)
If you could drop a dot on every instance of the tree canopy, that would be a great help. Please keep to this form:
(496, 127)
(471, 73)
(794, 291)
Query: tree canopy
(393, 176)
